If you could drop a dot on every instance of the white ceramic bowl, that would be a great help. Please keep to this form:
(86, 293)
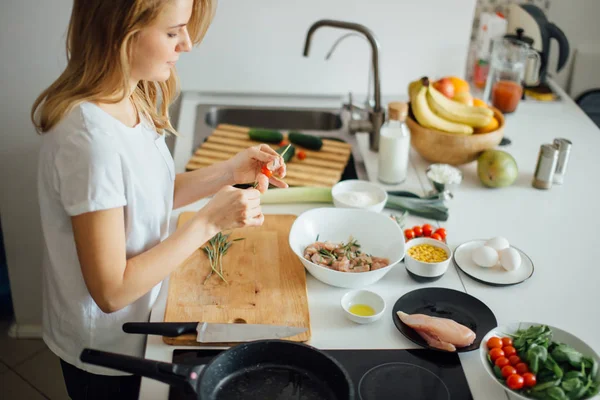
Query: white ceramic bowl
(356, 185)
(424, 271)
(558, 335)
(377, 234)
(365, 297)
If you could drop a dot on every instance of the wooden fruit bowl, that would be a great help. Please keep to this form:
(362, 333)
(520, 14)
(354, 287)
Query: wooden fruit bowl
(449, 148)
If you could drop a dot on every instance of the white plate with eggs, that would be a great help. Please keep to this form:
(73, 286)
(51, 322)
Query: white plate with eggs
(493, 261)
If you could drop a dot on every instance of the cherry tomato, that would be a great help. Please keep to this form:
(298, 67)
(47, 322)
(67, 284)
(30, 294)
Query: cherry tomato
(530, 379)
(409, 234)
(301, 155)
(522, 368)
(494, 342)
(441, 232)
(418, 231)
(508, 370)
(427, 230)
(514, 360)
(506, 341)
(496, 353)
(436, 237)
(502, 362)
(266, 171)
(509, 351)
(515, 382)
(283, 143)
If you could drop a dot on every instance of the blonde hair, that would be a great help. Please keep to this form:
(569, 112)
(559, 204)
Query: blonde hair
(99, 44)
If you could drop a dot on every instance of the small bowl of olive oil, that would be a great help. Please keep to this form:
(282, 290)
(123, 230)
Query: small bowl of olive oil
(363, 306)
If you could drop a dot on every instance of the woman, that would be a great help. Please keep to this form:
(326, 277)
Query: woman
(107, 184)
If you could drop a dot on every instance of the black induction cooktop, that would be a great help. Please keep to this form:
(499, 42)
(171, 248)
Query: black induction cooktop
(378, 374)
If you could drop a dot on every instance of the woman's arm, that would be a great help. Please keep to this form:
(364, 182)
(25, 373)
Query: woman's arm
(194, 185)
(115, 281)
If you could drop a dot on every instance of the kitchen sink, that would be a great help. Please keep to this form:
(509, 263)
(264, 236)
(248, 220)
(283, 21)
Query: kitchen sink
(272, 118)
(324, 122)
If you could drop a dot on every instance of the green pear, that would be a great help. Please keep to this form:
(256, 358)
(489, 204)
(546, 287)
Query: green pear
(497, 168)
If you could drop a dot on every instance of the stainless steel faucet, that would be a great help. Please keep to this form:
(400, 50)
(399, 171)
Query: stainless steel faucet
(376, 114)
(369, 102)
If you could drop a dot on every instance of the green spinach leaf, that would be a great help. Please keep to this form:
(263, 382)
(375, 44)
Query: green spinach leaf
(564, 353)
(535, 355)
(556, 393)
(572, 385)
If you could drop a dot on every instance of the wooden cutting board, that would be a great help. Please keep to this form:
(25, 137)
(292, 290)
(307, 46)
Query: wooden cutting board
(320, 168)
(266, 283)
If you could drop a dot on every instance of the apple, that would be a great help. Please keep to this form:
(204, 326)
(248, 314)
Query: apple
(445, 86)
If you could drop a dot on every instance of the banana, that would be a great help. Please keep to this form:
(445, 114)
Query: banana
(461, 115)
(413, 88)
(426, 117)
(454, 107)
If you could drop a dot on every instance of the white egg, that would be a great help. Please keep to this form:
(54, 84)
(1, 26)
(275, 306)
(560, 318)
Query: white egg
(498, 243)
(510, 259)
(485, 256)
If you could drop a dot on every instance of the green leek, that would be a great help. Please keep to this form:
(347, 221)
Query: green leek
(297, 195)
(431, 208)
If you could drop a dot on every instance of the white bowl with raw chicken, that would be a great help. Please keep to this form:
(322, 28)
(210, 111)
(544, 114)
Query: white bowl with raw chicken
(324, 239)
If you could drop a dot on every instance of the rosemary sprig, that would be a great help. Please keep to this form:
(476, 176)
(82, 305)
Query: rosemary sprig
(216, 248)
(327, 253)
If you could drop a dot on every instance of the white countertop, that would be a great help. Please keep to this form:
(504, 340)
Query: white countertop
(556, 228)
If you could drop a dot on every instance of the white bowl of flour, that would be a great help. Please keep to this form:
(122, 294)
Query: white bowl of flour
(355, 193)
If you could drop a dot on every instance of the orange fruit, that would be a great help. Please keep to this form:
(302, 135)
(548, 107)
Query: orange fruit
(460, 85)
(492, 126)
(479, 103)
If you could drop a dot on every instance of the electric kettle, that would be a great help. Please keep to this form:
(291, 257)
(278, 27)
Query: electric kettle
(529, 23)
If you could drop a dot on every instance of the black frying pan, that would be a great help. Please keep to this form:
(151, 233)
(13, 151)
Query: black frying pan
(263, 369)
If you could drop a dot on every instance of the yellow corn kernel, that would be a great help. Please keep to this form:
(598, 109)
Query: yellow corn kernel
(427, 253)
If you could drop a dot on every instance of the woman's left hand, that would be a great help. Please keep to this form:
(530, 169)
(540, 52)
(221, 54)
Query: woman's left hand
(246, 165)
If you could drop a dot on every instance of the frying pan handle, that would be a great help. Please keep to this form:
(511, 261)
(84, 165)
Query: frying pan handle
(179, 375)
(170, 329)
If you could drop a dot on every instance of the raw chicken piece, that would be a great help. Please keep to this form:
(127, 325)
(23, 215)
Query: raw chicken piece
(441, 333)
(435, 342)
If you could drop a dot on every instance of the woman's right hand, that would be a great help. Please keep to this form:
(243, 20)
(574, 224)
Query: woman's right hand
(233, 208)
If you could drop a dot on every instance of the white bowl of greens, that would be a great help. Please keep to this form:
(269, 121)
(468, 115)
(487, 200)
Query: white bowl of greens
(565, 367)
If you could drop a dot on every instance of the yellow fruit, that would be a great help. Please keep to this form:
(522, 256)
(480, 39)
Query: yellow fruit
(492, 126)
(479, 103)
(464, 97)
(460, 85)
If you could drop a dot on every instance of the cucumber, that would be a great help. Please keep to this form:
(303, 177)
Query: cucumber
(303, 140)
(265, 135)
(288, 154)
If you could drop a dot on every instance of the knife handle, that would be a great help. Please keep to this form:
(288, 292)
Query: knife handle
(170, 329)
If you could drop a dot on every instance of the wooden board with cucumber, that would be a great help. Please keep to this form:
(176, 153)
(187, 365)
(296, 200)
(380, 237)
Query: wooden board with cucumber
(311, 161)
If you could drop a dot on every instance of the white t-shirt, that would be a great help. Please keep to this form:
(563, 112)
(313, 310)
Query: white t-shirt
(91, 161)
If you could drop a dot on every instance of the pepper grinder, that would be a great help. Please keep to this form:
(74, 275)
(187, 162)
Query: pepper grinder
(546, 165)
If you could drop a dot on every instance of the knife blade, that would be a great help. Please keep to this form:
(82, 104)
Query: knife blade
(207, 332)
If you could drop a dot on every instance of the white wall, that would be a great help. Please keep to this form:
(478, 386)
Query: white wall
(253, 46)
(578, 19)
(256, 46)
(32, 48)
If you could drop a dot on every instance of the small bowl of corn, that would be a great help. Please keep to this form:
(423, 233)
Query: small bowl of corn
(427, 259)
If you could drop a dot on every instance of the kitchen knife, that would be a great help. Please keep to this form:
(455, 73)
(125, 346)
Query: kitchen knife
(213, 332)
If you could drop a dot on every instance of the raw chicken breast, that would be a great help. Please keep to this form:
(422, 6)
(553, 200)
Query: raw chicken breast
(441, 333)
